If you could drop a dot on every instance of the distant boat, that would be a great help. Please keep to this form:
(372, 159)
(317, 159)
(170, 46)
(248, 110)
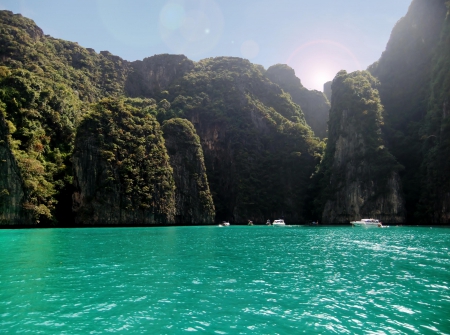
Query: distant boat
(279, 222)
(367, 223)
(224, 224)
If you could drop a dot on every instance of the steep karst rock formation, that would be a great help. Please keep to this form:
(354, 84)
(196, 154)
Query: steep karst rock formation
(121, 168)
(151, 76)
(360, 178)
(193, 200)
(407, 71)
(257, 129)
(12, 195)
(259, 151)
(314, 104)
(434, 203)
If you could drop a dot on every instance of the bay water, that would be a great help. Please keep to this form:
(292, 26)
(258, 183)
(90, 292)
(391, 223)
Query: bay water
(225, 280)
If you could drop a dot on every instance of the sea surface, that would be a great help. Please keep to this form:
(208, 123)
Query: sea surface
(225, 280)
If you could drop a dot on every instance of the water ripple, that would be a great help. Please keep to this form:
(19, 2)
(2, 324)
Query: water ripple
(238, 280)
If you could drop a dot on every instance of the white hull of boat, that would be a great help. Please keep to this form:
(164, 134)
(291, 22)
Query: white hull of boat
(360, 224)
(279, 223)
(367, 223)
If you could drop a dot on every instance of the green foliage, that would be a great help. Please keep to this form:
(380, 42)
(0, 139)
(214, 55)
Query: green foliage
(41, 118)
(435, 136)
(90, 75)
(356, 107)
(132, 150)
(187, 158)
(264, 152)
(409, 74)
(314, 104)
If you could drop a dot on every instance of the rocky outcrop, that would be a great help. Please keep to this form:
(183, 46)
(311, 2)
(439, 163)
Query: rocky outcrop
(193, 200)
(23, 24)
(405, 72)
(434, 203)
(121, 169)
(259, 151)
(362, 180)
(12, 194)
(155, 74)
(314, 104)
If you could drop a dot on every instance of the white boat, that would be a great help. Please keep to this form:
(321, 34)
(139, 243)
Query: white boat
(224, 224)
(367, 223)
(279, 222)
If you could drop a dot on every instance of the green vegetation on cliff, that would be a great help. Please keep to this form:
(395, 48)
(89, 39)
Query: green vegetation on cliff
(122, 168)
(23, 45)
(435, 135)
(413, 89)
(194, 203)
(313, 103)
(405, 73)
(259, 151)
(41, 117)
(357, 167)
(253, 126)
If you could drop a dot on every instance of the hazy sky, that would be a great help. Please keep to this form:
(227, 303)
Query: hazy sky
(315, 37)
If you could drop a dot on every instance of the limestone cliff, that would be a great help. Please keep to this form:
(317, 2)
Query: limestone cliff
(405, 71)
(259, 151)
(121, 169)
(361, 178)
(434, 203)
(193, 200)
(313, 103)
(12, 194)
(155, 74)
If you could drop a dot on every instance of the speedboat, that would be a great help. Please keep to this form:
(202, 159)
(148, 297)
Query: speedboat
(279, 222)
(367, 223)
(224, 224)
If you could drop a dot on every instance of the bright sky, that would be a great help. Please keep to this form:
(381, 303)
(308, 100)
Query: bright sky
(315, 37)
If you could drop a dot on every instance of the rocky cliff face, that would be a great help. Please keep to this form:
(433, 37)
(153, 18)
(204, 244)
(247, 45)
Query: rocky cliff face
(153, 75)
(314, 104)
(405, 73)
(434, 203)
(12, 194)
(121, 169)
(193, 200)
(362, 179)
(259, 151)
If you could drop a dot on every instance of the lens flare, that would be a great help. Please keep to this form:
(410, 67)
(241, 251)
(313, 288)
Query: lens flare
(249, 49)
(172, 16)
(191, 27)
(115, 16)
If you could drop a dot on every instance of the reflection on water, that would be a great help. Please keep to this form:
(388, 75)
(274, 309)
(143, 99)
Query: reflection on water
(234, 280)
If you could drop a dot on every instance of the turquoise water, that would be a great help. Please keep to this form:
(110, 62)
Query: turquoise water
(225, 280)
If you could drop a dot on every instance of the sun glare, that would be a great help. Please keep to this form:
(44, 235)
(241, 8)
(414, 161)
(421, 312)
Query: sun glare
(317, 62)
(321, 78)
